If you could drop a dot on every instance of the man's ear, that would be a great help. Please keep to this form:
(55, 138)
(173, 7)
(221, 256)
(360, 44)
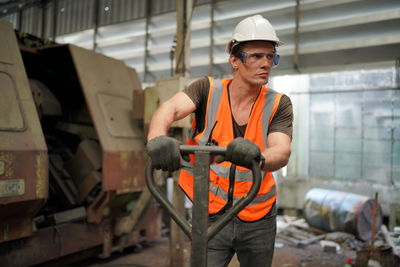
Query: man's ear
(234, 62)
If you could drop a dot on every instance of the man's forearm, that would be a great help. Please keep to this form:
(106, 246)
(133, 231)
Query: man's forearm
(277, 152)
(176, 108)
(160, 122)
(275, 158)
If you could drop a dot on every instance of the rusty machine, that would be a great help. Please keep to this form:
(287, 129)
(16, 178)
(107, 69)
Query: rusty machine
(72, 161)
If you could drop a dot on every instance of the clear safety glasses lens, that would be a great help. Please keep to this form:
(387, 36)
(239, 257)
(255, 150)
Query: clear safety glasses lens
(254, 57)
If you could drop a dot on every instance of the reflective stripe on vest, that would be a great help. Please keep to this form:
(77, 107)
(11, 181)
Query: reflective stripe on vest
(222, 171)
(241, 175)
(212, 109)
(267, 112)
(258, 199)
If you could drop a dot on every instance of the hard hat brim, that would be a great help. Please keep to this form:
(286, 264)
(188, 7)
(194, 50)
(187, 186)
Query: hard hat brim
(231, 43)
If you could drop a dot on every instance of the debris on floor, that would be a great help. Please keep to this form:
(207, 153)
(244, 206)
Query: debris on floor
(343, 249)
(297, 245)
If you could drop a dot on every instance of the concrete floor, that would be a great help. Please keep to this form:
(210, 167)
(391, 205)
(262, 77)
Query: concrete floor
(156, 254)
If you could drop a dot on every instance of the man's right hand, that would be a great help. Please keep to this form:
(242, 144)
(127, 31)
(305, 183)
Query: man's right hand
(164, 153)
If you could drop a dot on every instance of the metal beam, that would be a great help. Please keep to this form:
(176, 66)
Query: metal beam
(96, 10)
(211, 47)
(296, 37)
(146, 41)
(184, 11)
(43, 9)
(55, 19)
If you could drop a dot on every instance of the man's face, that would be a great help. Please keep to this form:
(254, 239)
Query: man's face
(257, 62)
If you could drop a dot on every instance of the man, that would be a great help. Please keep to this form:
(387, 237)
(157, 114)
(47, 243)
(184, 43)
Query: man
(253, 122)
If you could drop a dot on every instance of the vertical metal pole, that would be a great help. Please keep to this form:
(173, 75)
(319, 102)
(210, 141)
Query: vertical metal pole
(96, 23)
(146, 41)
(184, 10)
(296, 58)
(20, 17)
(182, 63)
(211, 47)
(55, 19)
(393, 128)
(177, 237)
(43, 30)
(335, 135)
(200, 210)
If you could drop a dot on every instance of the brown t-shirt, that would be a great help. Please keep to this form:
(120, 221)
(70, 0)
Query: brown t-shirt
(198, 93)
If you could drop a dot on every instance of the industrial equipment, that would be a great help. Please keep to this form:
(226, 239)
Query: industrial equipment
(199, 232)
(72, 158)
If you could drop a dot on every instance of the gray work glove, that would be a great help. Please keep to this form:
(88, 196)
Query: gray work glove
(242, 152)
(164, 153)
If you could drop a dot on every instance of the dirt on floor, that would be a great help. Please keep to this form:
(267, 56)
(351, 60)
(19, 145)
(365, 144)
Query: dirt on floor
(156, 254)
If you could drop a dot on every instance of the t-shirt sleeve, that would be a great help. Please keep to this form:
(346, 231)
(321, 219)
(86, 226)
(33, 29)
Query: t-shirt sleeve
(198, 91)
(283, 119)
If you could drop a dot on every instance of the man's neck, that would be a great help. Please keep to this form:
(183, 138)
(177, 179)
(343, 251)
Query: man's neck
(242, 99)
(244, 92)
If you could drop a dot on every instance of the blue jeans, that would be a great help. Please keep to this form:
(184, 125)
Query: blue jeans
(252, 241)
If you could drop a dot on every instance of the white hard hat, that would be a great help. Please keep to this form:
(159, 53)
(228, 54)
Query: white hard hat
(254, 28)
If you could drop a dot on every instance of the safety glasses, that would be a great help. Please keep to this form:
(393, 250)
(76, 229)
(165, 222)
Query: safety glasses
(253, 58)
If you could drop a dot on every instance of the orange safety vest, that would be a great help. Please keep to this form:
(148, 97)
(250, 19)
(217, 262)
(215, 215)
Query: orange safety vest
(218, 124)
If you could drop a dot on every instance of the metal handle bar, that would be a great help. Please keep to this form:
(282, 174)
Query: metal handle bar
(162, 199)
(214, 150)
(224, 219)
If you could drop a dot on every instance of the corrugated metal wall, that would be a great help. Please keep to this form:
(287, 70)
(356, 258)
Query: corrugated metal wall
(74, 16)
(162, 6)
(49, 18)
(118, 11)
(330, 34)
(33, 22)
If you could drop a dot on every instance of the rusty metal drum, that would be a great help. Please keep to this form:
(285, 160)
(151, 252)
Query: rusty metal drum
(331, 211)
